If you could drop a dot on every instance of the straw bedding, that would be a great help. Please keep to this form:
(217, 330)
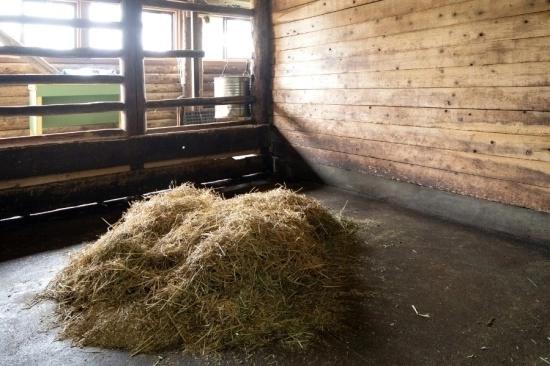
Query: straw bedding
(190, 270)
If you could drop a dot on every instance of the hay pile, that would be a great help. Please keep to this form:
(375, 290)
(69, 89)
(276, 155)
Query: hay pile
(188, 269)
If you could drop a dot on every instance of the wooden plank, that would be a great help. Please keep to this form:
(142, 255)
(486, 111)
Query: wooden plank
(46, 159)
(47, 52)
(14, 133)
(517, 75)
(175, 54)
(522, 195)
(163, 95)
(536, 173)
(186, 102)
(14, 101)
(159, 123)
(58, 193)
(74, 22)
(315, 8)
(498, 121)
(516, 27)
(509, 98)
(17, 68)
(279, 5)
(14, 91)
(157, 79)
(360, 14)
(396, 21)
(79, 128)
(57, 109)
(161, 114)
(495, 144)
(511, 51)
(260, 87)
(231, 67)
(163, 88)
(60, 79)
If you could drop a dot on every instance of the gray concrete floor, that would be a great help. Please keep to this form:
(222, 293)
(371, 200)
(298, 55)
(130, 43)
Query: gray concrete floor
(487, 296)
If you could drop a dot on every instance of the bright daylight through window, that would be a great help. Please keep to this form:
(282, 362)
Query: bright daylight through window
(158, 34)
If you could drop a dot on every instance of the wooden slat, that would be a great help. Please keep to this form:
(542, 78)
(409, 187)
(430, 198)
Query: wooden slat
(400, 19)
(518, 75)
(490, 53)
(163, 95)
(31, 161)
(313, 9)
(516, 27)
(522, 195)
(535, 173)
(74, 23)
(187, 102)
(527, 98)
(497, 121)
(47, 52)
(174, 54)
(57, 109)
(281, 5)
(61, 79)
(14, 91)
(495, 144)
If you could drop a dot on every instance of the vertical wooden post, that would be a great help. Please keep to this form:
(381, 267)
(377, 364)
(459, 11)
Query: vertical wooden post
(197, 62)
(133, 88)
(261, 74)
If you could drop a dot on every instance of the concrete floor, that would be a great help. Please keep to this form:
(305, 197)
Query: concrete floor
(487, 296)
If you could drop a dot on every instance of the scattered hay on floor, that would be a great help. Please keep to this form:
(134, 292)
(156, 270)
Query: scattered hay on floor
(188, 269)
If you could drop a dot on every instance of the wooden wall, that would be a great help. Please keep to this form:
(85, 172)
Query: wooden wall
(450, 94)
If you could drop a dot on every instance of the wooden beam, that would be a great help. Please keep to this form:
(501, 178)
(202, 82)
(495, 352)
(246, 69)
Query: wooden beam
(60, 79)
(46, 52)
(37, 62)
(82, 190)
(56, 109)
(132, 67)
(261, 71)
(22, 162)
(74, 23)
(200, 8)
(175, 54)
(188, 102)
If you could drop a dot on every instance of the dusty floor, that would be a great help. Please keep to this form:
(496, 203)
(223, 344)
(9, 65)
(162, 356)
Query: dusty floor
(482, 299)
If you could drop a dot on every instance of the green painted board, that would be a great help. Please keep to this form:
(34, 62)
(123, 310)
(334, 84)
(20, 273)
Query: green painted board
(77, 93)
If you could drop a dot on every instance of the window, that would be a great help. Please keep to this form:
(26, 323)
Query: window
(227, 38)
(110, 39)
(158, 26)
(49, 36)
(11, 8)
(39, 35)
(157, 31)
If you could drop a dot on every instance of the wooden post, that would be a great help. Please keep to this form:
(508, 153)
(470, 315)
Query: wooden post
(133, 88)
(261, 75)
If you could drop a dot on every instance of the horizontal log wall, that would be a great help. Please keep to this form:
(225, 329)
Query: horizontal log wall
(451, 94)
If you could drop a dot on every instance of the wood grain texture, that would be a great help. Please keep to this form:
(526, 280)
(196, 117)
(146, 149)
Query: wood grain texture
(448, 94)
